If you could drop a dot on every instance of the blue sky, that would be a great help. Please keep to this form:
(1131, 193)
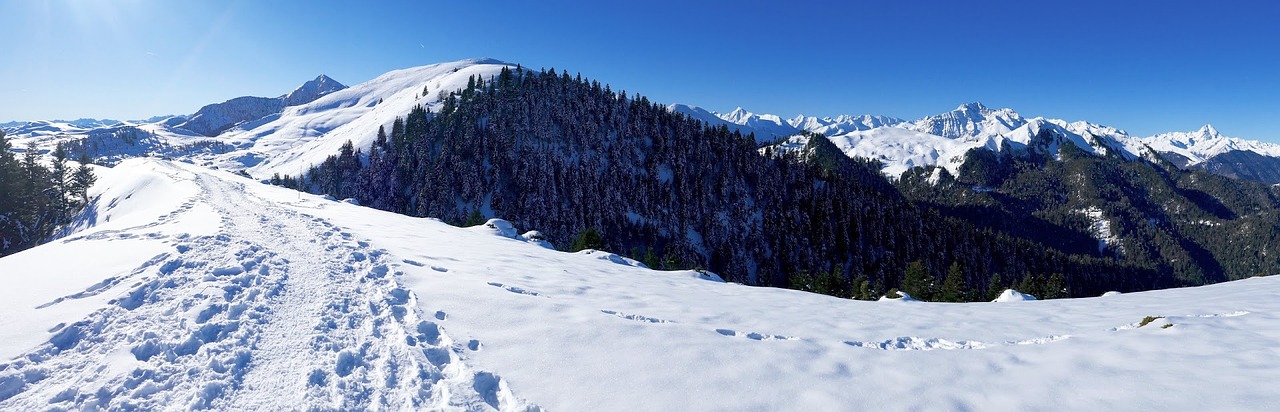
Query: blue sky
(1144, 66)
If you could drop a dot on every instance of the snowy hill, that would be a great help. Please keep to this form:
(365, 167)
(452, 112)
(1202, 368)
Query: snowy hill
(305, 135)
(192, 288)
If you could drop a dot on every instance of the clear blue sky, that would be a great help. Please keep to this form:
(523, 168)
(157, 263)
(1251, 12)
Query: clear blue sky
(1144, 66)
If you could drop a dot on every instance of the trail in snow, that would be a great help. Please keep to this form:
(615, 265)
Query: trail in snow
(278, 310)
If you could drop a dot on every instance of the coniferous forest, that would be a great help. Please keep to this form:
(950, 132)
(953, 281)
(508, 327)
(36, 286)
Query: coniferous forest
(568, 157)
(37, 199)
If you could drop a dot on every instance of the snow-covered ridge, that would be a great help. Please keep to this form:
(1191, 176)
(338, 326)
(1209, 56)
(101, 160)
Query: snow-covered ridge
(767, 128)
(193, 288)
(289, 139)
(213, 119)
(943, 139)
(1205, 143)
(303, 136)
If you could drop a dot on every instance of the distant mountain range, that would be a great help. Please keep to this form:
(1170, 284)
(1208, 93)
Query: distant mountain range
(943, 139)
(253, 130)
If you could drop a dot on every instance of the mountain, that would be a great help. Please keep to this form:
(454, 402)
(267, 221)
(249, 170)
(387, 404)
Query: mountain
(766, 128)
(841, 124)
(944, 139)
(302, 136)
(312, 90)
(185, 287)
(214, 119)
(969, 122)
(287, 139)
(1210, 150)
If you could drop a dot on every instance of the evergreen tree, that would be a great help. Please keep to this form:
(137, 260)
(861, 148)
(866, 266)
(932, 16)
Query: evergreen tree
(994, 288)
(59, 179)
(10, 177)
(954, 288)
(588, 238)
(83, 179)
(917, 282)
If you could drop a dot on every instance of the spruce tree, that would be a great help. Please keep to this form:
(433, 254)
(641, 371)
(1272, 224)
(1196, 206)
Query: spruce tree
(953, 286)
(83, 179)
(994, 288)
(917, 282)
(588, 238)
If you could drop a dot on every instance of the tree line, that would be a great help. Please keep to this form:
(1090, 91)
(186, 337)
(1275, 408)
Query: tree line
(36, 199)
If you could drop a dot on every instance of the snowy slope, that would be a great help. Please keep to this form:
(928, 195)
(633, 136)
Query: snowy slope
(288, 142)
(199, 288)
(303, 136)
(1201, 145)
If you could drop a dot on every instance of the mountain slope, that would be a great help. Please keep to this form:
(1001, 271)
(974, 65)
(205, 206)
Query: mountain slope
(214, 119)
(208, 290)
(302, 136)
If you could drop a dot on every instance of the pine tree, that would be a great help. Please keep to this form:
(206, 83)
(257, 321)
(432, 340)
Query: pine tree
(917, 282)
(83, 179)
(588, 238)
(1056, 287)
(994, 288)
(10, 177)
(59, 177)
(953, 286)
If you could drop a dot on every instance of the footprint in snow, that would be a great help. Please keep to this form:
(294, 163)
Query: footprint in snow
(635, 317)
(514, 289)
(754, 335)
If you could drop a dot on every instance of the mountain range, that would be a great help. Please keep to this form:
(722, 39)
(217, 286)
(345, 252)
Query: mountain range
(253, 129)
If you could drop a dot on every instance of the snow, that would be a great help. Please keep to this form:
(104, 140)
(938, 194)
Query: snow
(1100, 228)
(1010, 295)
(1205, 143)
(767, 128)
(207, 289)
(287, 142)
(305, 135)
(943, 140)
(841, 124)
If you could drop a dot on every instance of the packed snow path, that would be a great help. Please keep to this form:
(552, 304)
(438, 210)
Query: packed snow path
(276, 309)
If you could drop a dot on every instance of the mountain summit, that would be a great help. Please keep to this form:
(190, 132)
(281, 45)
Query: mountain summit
(312, 90)
(216, 118)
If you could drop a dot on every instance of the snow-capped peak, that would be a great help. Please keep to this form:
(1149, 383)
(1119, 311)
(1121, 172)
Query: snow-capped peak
(970, 121)
(312, 90)
(841, 124)
(1205, 143)
(977, 107)
(767, 127)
